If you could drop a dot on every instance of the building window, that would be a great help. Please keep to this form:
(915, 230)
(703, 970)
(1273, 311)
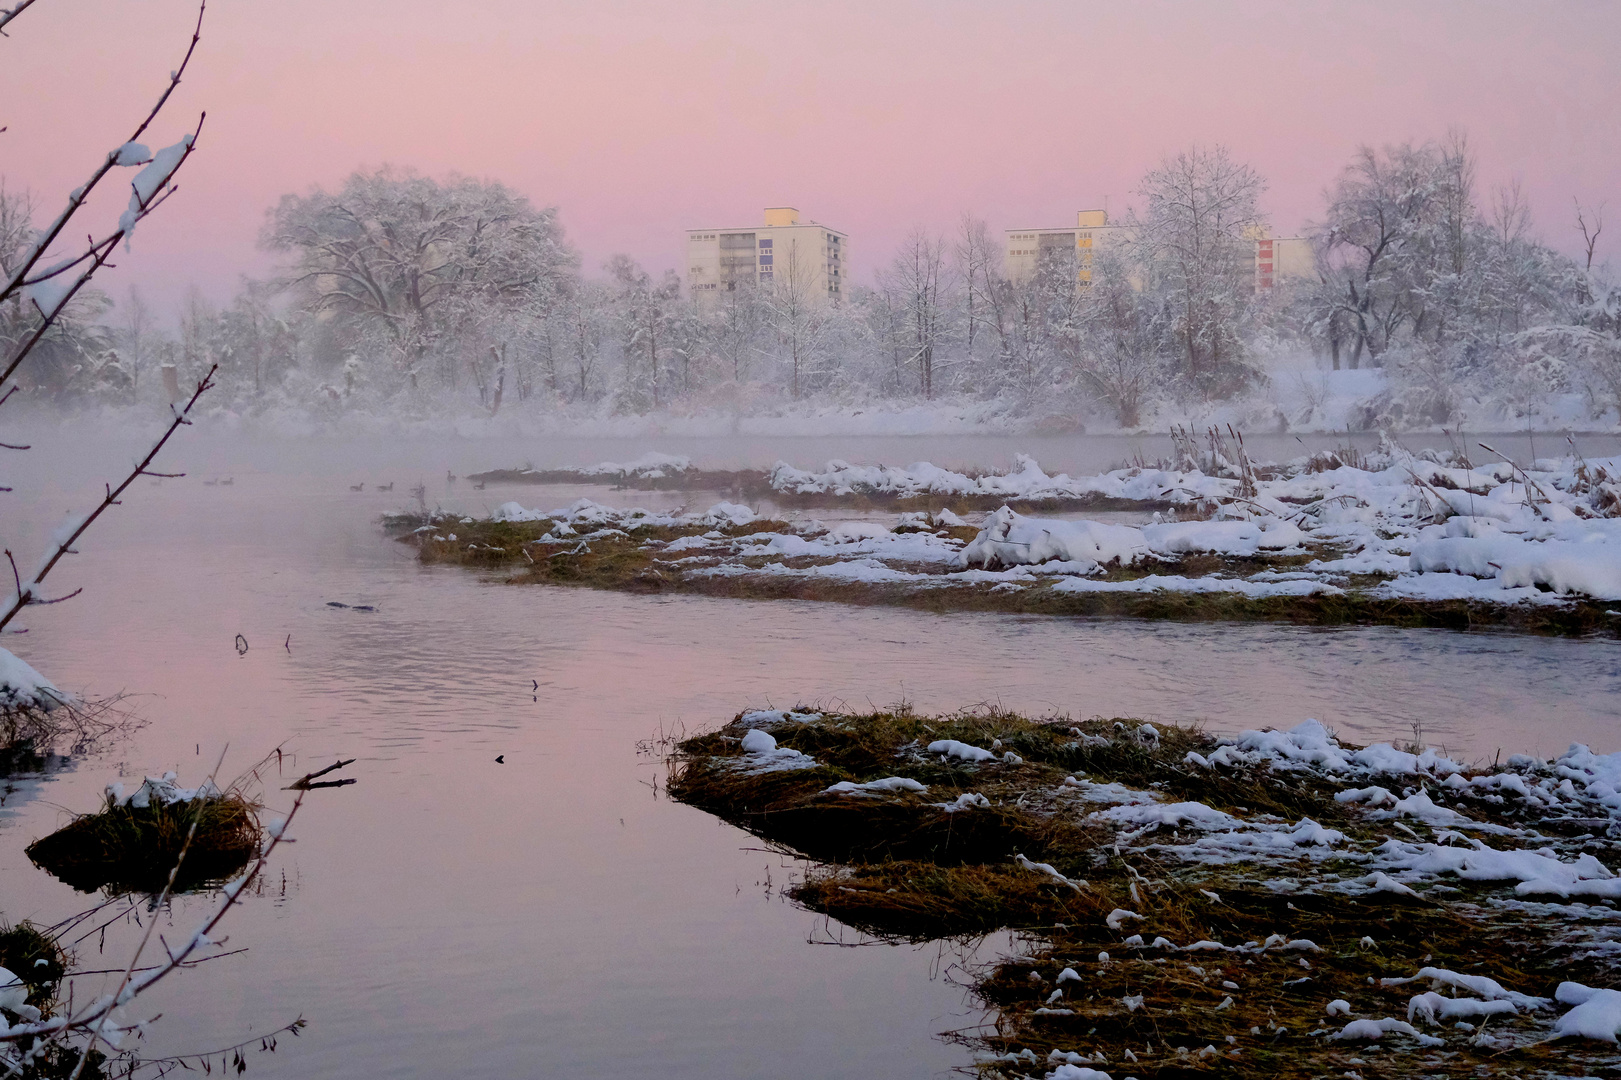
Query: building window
(765, 260)
(765, 243)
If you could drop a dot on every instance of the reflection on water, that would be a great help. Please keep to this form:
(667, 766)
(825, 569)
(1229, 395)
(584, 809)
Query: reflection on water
(552, 914)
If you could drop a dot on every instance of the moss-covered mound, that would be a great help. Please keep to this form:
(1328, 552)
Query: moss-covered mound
(127, 847)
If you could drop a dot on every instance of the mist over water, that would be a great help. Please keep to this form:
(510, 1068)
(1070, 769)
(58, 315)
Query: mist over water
(555, 915)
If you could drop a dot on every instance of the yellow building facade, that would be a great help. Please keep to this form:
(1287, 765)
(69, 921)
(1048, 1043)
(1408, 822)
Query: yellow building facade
(1272, 259)
(782, 252)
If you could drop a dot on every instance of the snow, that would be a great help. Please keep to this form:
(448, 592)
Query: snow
(1223, 537)
(1380, 881)
(1538, 872)
(873, 788)
(1591, 566)
(1026, 481)
(1077, 1072)
(1376, 1029)
(651, 465)
(1178, 583)
(1479, 985)
(1309, 745)
(762, 754)
(131, 153)
(759, 742)
(14, 997)
(1151, 816)
(968, 800)
(588, 513)
(953, 748)
(1112, 792)
(1116, 918)
(1432, 1008)
(23, 687)
(1049, 870)
(762, 717)
(49, 294)
(149, 181)
(1597, 1013)
(728, 513)
(1010, 539)
(161, 791)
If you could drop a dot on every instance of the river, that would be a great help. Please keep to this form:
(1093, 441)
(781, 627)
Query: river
(555, 915)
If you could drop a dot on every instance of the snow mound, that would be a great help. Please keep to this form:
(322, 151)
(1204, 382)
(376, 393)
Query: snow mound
(1011, 539)
(21, 687)
(160, 791)
(1597, 1013)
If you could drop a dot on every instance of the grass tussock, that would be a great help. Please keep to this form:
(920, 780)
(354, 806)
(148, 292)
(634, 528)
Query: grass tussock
(126, 848)
(1234, 962)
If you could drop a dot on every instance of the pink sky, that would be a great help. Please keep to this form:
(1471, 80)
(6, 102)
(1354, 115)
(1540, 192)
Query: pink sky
(639, 120)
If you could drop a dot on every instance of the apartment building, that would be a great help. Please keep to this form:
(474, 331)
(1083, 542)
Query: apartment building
(783, 251)
(1091, 234)
(1271, 259)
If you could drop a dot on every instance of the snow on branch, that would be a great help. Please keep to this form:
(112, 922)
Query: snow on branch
(7, 14)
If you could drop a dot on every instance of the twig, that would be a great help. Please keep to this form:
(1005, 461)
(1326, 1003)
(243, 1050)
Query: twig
(25, 593)
(303, 782)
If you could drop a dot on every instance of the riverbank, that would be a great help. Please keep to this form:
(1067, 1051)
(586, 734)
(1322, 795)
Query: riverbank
(1279, 903)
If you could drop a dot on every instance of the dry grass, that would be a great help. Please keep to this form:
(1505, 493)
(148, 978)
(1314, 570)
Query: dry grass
(27, 732)
(900, 868)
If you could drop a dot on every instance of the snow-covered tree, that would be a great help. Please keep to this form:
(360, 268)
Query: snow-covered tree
(1194, 244)
(420, 261)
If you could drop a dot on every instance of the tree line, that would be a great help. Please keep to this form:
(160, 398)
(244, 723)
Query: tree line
(407, 293)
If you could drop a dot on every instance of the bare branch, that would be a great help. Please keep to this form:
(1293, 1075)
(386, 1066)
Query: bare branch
(25, 593)
(80, 195)
(98, 253)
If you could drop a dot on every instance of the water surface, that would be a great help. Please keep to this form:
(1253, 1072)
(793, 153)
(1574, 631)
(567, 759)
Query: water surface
(555, 915)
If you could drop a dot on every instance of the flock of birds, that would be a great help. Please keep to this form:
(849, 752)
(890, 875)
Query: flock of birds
(450, 478)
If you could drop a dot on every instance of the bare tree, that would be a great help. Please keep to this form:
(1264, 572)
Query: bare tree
(797, 311)
(735, 330)
(916, 290)
(978, 258)
(135, 333)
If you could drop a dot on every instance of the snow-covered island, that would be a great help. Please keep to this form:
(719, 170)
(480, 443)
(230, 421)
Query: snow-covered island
(1392, 537)
(1188, 903)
